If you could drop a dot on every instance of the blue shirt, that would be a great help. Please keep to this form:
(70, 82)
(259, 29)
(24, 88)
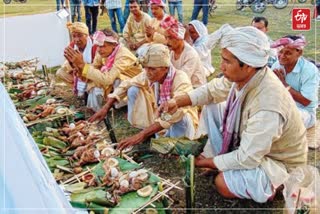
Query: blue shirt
(112, 4)
(304, 78)
(91, 3)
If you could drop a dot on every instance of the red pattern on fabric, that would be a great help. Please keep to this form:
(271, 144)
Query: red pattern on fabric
(110, 61)
(287, 42)
(173, 27)
(165, 91)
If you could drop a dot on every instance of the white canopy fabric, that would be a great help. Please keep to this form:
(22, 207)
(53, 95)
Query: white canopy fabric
(26, 183)
(41, 35)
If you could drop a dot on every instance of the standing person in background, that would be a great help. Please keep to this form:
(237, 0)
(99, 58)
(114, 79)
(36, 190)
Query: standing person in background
(198, 5)
(114, 9)
(126, 11)
(75, 7)
(318, 9)
(91, 8)
(60, 2)
(176, 4)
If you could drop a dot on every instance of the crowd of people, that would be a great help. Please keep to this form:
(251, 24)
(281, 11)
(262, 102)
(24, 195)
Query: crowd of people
(116, 12)
(255, 115)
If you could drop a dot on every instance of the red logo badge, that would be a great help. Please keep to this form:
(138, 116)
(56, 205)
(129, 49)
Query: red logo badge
(301, 19)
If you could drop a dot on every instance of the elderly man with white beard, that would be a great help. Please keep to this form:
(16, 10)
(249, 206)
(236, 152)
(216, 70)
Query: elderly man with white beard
(259, 136)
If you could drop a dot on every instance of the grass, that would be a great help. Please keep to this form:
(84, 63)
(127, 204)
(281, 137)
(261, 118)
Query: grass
(279, 25)
(279, 20)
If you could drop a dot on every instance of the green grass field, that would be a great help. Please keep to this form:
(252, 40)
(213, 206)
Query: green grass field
(279, 20)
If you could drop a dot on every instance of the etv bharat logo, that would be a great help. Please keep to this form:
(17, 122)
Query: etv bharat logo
(301, 19)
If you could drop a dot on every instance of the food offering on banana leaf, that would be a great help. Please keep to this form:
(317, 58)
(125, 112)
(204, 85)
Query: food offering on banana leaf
(48, 109)
(20, 72)
(3, 70)
(123, 185)
(28, 90)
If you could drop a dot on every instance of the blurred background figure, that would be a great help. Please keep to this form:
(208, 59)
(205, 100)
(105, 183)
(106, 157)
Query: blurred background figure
(114, 8)
(75, 7)
(176, 4)
(198, 5)
(91, 8)
(60, 3)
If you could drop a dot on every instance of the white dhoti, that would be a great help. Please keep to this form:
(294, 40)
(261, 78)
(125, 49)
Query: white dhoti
(95, 99)
(309, 118)
(244, 183)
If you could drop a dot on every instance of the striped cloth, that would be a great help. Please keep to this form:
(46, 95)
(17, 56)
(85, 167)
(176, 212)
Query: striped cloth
(165, 91)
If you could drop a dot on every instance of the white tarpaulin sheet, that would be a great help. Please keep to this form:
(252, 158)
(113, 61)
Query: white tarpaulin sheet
(41, 35)
(26, 183)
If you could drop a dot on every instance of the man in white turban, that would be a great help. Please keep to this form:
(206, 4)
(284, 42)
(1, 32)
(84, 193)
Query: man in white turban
(260, 136)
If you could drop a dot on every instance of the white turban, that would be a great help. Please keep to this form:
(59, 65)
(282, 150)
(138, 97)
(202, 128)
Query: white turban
(248, 44)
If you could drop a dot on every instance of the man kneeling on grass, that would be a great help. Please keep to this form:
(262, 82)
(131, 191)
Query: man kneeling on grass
(158, 83)
(261, 137)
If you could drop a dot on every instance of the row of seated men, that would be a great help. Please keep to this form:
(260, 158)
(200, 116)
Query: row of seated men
(255, 117)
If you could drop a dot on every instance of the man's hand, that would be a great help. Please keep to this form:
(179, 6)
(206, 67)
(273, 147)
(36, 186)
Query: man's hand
(98, 116)
(204, 163)
(150, 31)
(130, 141)
(281, 75)
(75, 58)
(170, 107)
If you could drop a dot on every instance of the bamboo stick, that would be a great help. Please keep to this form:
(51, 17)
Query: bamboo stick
(50, 118)
(155, 198)
(80, 174)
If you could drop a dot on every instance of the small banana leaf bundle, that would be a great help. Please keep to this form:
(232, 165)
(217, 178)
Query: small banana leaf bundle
(178, 146)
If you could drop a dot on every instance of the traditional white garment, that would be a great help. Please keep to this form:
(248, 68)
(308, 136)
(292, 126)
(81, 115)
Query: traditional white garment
(252, 46)
(95, 95)
(200, 46)
(87, 57)
(190, 62)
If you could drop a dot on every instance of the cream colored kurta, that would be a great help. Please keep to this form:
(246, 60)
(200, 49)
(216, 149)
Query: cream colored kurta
(125, 67)
(146, 103)
(271, 131)
(136, 31)
(190, 63)
(159, 34)
(65, 72)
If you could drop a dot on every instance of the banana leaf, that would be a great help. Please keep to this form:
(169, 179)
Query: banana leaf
(54, 161)
(97, 196)
(31, 103)
(178, 146)
(14, 90)
(132, 201)
(38, 140)
(81, 205)
(97, 208)
(40, 127)
(54, 142)
(75, 187)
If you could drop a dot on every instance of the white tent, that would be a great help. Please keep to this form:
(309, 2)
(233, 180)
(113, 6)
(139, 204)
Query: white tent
(26, 183)
(41, 35)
